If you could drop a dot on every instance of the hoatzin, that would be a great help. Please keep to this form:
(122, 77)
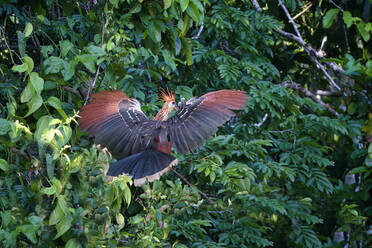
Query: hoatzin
(142, 146)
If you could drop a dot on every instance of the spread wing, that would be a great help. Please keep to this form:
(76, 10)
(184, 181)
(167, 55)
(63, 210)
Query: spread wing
(117, 122)
(199, 118)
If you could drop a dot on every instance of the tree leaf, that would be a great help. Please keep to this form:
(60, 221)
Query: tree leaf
(4, 126)
(21, 43)
(167, 3)
(119, 219)
(169, 60)
(348, 19)
(184, 4)
(49, 191)
(352, 108)
(20, 68)
(30, 63)
(63, 226)
(65, 47)
(27, 93)
(37, 82)
(28, 29)
(361, 28)
(358, 170)
(88, 61)
(154, 31)
(29, 231)
(4, 165)
(44, 124)
(330, 17)
(193, 12)
(53, 64)
(73, 243)
(184, 26)
(54, 102)
(34, 104)
(187, 49)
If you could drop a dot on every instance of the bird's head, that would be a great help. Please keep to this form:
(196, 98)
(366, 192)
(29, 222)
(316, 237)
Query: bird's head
(169, 100)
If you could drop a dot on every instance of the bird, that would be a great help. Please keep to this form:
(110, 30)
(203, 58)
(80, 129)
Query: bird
(142, 146)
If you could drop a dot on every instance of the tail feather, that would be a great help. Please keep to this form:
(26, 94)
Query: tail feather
(147, 165)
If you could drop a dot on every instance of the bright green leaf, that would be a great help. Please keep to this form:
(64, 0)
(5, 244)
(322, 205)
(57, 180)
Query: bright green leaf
(329, 17)
(29, 232)
(73, 243)
(348, 19)
(119, 219)
(65, 47)
(54, 102)
(167, 3)
(63, 227)
(49, 191)
(28, 29)
(365, 34)
(30, 63)
(27, 93)
(37, 82)
(89, 61)
(34, 104)
(184, 4)
(20, 68)
(193, 12)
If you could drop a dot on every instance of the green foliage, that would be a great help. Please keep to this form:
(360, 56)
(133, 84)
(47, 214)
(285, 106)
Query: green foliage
(283, 173)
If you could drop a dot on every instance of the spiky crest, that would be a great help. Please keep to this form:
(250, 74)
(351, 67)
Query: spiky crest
(166, 95)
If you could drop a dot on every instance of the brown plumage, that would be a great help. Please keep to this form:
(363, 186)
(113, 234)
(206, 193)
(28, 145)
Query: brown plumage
(143, 146)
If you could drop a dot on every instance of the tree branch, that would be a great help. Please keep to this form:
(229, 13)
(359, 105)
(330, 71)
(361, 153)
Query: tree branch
(187, 181)
(256, 5)
(307, 6)
(299, 87)
(313, 54)
(199, 32)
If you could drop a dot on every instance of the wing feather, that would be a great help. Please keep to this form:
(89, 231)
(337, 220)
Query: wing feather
(199, 118)
(116, 121)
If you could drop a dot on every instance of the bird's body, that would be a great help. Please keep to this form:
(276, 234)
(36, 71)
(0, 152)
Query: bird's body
(142, 145)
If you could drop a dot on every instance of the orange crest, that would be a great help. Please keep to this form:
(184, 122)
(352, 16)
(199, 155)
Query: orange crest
(167, 96)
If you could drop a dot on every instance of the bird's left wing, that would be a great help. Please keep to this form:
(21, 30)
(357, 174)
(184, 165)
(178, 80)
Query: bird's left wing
(199, 118)
(117, 122)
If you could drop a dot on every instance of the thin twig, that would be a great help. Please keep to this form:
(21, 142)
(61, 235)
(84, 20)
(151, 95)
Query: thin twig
(282, 131)
(290, 19)
(199, 32)
(343, 23)
(19, 152)
(328, 93)
(69, 89)
(298, 87)
(308, 6)
(187, 181)
(256, 5)
(262, 122)
(91, 86)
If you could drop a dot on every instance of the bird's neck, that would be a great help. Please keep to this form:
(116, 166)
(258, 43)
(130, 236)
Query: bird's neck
(162, 115)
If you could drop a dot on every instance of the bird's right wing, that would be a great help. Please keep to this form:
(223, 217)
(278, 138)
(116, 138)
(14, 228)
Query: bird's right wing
(199, 118)
(117, 122)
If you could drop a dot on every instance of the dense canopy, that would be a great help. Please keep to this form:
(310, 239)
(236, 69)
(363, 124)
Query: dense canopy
(293, 169)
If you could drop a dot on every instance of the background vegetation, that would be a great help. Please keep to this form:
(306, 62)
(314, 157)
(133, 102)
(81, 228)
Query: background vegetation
(292, 170)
